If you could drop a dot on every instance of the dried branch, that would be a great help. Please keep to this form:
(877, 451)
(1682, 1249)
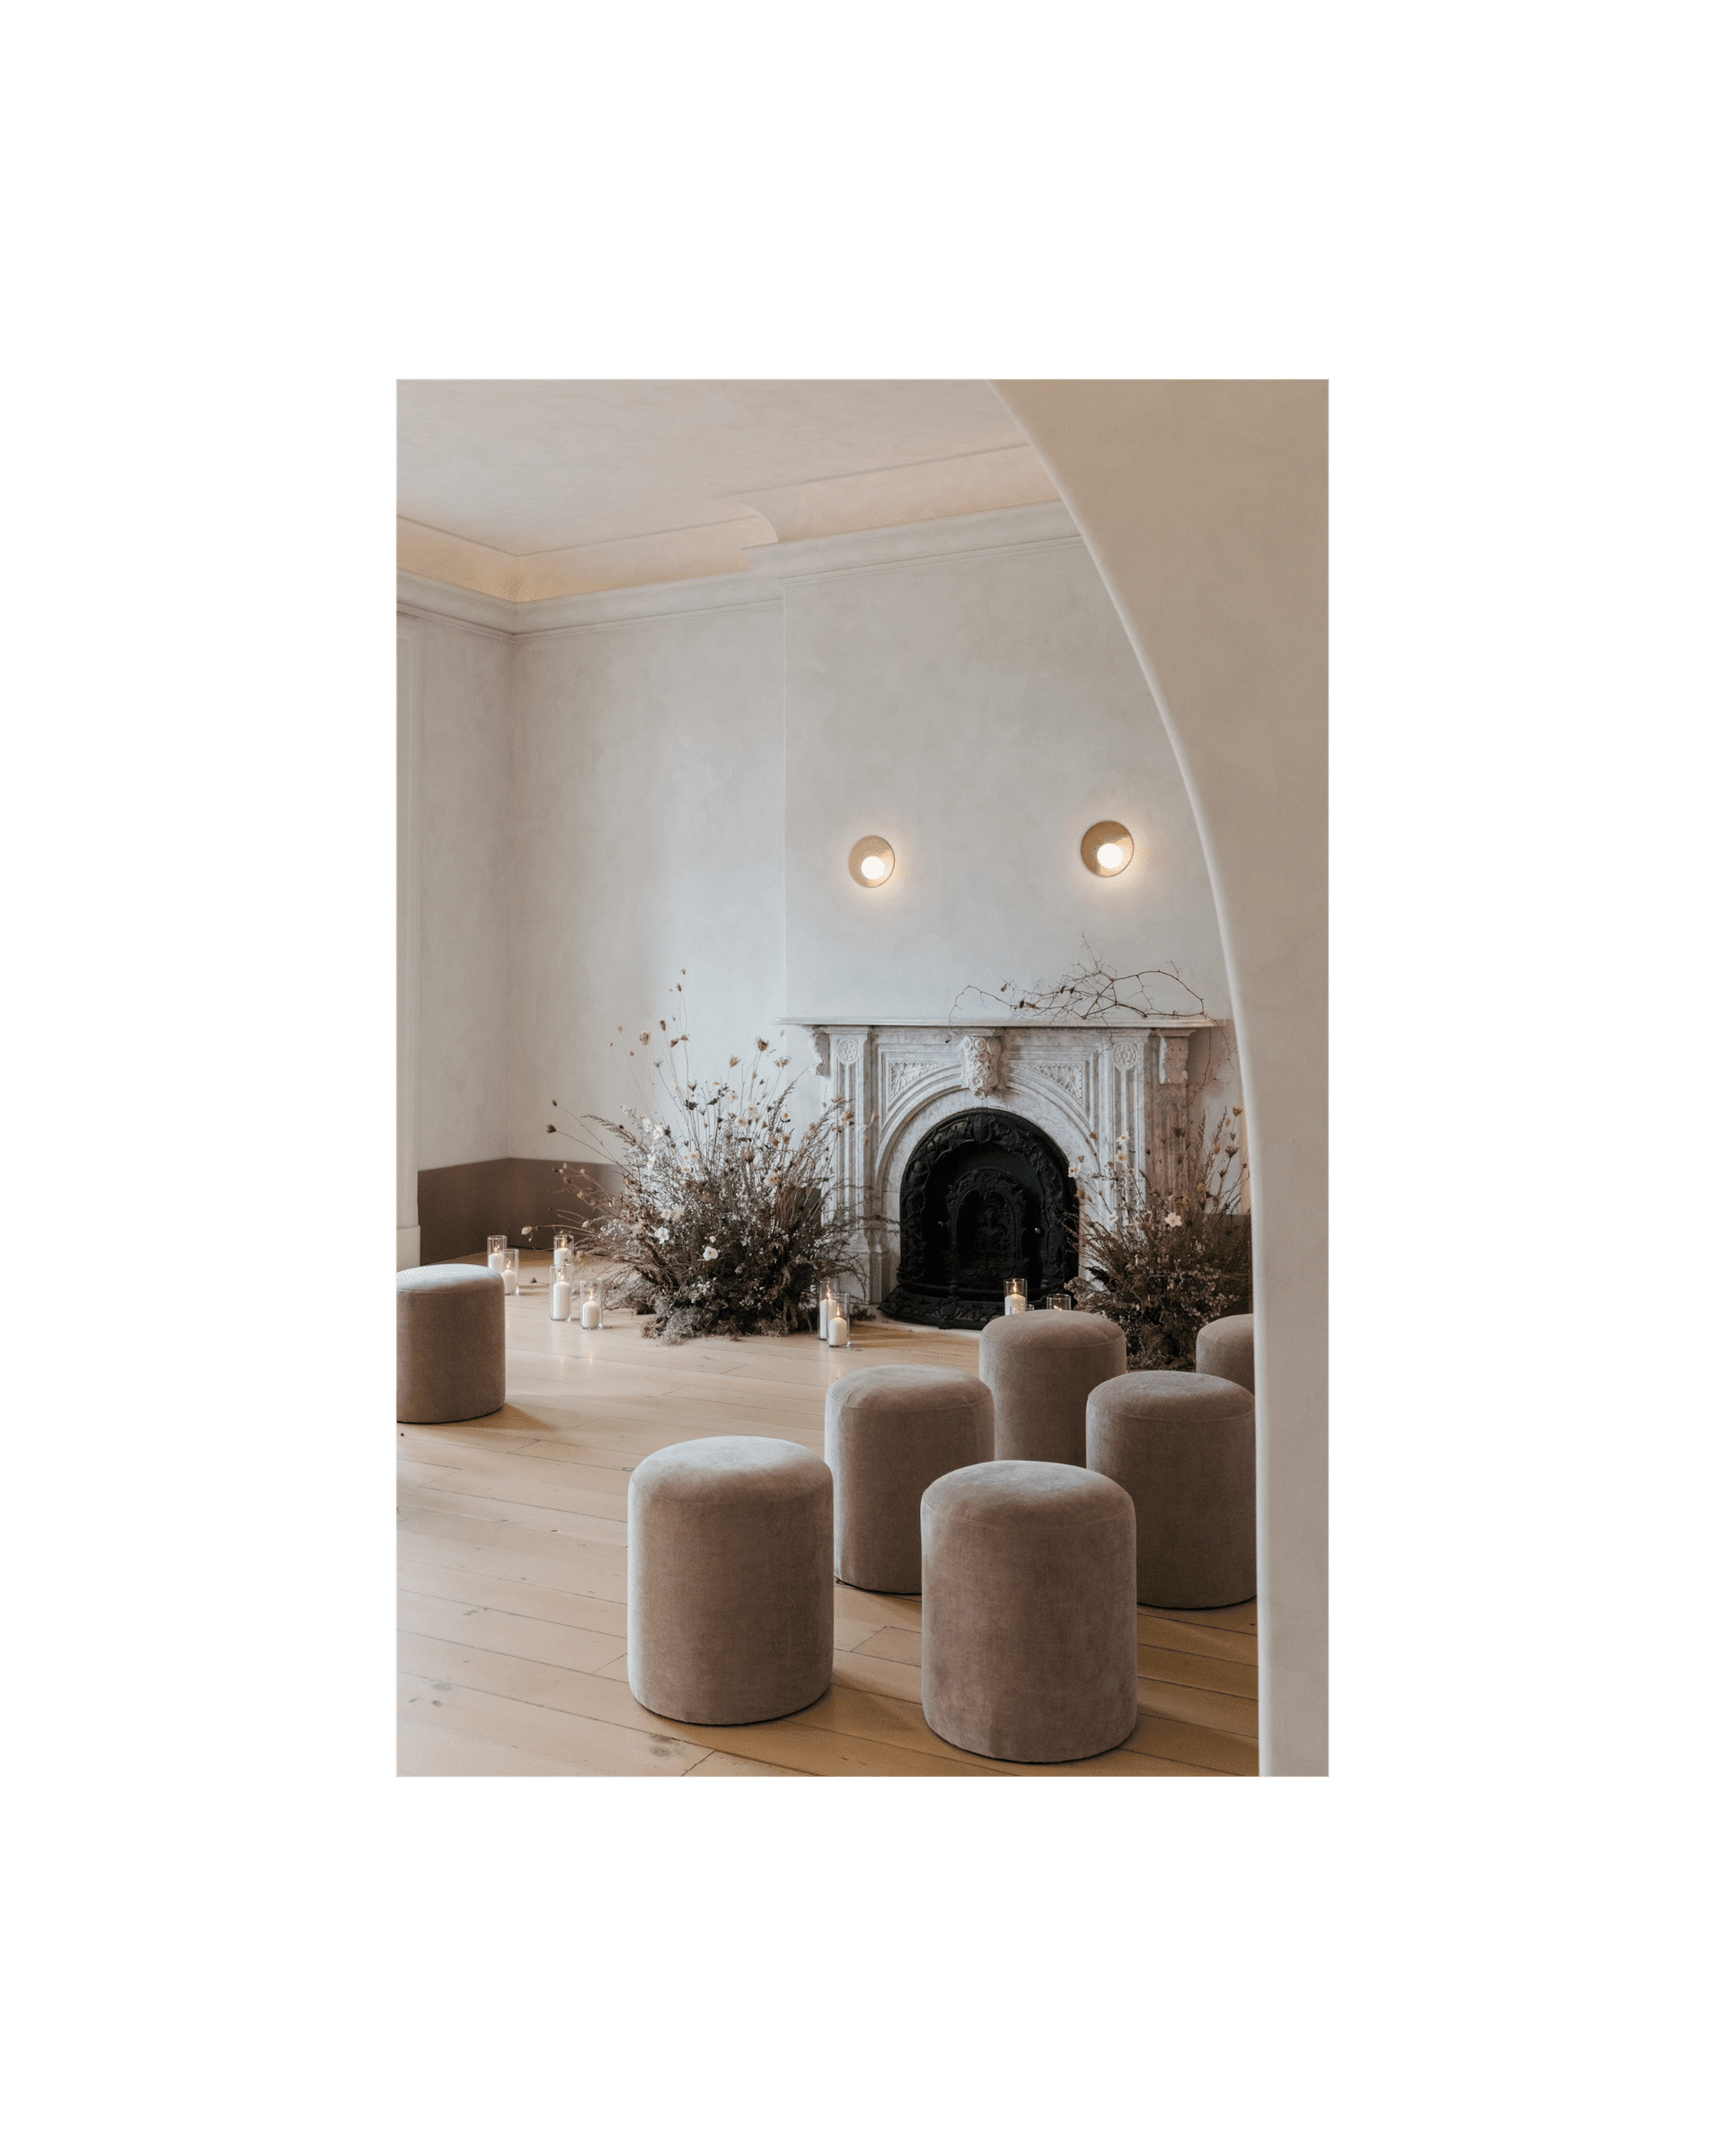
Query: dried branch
(1090, 993)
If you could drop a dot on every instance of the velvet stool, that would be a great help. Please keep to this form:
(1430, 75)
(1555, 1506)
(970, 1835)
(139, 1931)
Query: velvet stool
(890, 1432)
(731, 1579)
(1041, 1366)
(448, 1343)
(1225, 1350)
(1181, 1445)
(1030, 1628)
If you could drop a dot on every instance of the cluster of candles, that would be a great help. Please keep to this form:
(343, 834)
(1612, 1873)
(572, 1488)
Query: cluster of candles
(835, 1325)
(1018, 1298)
(502, 1259)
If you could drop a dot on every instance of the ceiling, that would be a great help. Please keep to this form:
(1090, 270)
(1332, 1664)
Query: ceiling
(540, 489)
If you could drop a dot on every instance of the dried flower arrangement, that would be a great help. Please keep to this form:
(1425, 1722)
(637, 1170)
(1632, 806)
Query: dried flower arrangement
(1162, 1263)
(728, 1216)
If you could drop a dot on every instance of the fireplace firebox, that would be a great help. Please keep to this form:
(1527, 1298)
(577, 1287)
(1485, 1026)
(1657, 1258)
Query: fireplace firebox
(985, 1195)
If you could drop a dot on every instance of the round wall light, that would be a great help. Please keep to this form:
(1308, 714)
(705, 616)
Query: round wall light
(871, 862)
(1106, 849)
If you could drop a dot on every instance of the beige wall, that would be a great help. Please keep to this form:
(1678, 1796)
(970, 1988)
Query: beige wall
(1205, 506)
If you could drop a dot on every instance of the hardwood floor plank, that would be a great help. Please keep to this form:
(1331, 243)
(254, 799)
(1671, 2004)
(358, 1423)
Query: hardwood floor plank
(1242, 1618)
(562, 1546)
(581, 1744)
(787, 1743)
(884, 1609)
(1205, 1709)
(895, 1643)
(1207, 1672)
(514, 1598)
(725, 1763)
(466, 1624)
(869, 1672)
(537, 1568)
(459, 1504)
(422, 1748)
(1197, 1639)
(1213, 1748)
(603, 1491)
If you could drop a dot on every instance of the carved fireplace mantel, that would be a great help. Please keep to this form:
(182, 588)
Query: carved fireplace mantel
(1099, 1092)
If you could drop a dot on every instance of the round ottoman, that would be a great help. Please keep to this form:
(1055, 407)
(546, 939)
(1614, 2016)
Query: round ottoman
(1225, 1350)
(890, 1432)
(1182, 1445)
(1030, 1629)
(731, 1579)
(448, 1343)
(1041, 1366)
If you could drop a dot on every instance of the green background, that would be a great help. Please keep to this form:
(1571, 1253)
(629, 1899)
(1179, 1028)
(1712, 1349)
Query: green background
(234, 1928)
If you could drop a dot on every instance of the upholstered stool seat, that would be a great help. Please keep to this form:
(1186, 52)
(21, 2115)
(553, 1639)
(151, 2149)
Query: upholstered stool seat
(890, 1432)
(1041, 1366)
(1225, 1349)
(1029, 1629)
(448, 1343)
(731, 1579)
(1181, 1445)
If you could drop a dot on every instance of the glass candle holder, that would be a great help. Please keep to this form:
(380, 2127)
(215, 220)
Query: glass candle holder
(593, 1306)
(839, 1327)
(1060, 1301)
(1018, 1297)
(563, 1297)
(511, 1270)
(497, 1249)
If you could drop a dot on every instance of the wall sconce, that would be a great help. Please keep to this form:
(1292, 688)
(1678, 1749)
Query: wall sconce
(1106, 849)
(871, 862)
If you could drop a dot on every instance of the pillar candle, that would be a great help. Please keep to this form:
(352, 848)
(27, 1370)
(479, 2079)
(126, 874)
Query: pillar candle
(838, 1331)
(561, 1295)
(1015, 1304)
(825, 1318)
(590, 1316)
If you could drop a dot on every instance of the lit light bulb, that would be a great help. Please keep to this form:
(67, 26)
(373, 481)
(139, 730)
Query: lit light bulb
(1109, 856)
(873, 867)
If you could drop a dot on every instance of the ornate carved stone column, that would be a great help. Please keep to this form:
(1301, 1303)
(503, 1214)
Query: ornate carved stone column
(1124, 1096)
(1170, 1112)
(852, 1083)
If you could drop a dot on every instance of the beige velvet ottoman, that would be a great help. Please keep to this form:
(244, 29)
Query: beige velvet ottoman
(1030, 1624)
(1041, 1366)
(890, 1432)
(448, 1343)
(1182, 1445)
(731, 1579)
(1225, 1349)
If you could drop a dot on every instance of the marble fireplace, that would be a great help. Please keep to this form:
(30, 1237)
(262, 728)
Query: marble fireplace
(966, 1139)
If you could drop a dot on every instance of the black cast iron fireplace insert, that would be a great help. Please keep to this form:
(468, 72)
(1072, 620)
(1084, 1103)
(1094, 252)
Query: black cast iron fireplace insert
(985, 1197)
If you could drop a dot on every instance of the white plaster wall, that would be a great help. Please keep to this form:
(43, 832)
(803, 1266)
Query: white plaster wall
(1204, 506)
(649, 837)
(465, 778)
(980, 713)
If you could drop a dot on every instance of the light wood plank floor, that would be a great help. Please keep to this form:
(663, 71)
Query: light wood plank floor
(512, 1581)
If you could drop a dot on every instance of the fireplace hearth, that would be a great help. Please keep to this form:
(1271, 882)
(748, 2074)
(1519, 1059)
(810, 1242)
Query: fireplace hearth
(985, 1196)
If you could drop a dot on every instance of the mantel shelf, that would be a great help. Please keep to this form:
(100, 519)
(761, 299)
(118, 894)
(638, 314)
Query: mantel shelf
(1012, 1025)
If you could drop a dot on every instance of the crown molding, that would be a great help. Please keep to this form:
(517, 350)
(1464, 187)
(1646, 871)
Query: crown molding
(452, 602)
(989, 531)
(639, 602)
(771, 568)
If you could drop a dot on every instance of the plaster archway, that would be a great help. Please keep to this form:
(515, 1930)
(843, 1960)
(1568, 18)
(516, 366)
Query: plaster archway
(1204, 506)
